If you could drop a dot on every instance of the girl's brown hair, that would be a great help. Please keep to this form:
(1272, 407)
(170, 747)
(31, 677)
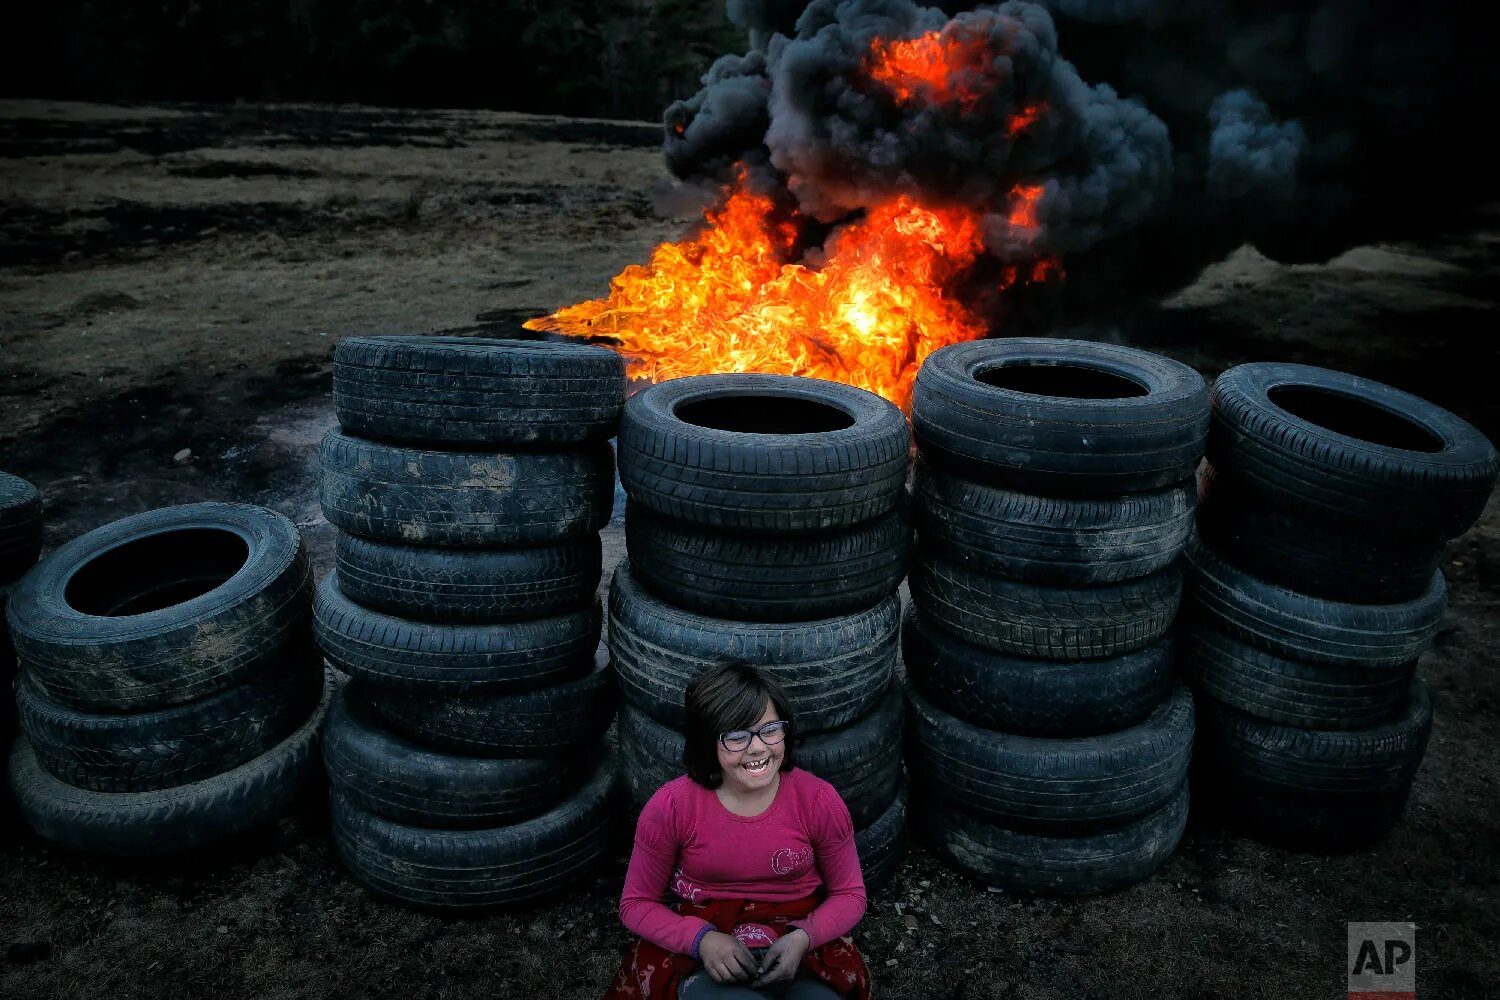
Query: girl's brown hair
(725, 698)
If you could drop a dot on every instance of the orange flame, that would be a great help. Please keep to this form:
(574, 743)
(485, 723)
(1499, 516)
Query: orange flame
(733, 299)
(725, 301)
(1024, 119)
(937, 68)
(1023, 212)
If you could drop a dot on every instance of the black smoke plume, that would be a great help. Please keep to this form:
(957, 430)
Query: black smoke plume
(1172, 130)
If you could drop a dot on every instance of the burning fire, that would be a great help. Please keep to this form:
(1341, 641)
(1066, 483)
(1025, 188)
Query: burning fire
(946, 67)
(735, 299)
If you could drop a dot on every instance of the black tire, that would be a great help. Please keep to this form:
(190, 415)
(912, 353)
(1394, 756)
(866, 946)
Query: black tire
(417, 496)
(1338, 562)
(7, 652)
(384, 773)
(168, 821)
(1041, 621)
(1047, 540)
(1290, 692)
(834, 670)
(1040, 865)
(20, 526)
(451, 659)
(862, 760)
(766, 576)
(7, 674)
(474, 390)
(165, 747)
(476, 869)
(763, 452)
(1287, 433)
(1319, 789)
(1300, 627)
(882, 844)
(1056, 699)
(544, 722)
(1060, 417)
(650, 754)
(164, 607)
(468, 586)
(1053, 786)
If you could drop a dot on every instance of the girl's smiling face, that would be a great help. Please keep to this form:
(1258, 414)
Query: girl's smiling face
(755, 767)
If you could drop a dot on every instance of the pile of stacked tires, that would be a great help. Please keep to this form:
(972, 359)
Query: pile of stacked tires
(169, 693)
(469, 479)
(1054, 494)
(20, 544)
(1313, 591)
(768, 524)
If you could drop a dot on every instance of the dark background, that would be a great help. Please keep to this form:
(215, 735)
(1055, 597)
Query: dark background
(592, 58)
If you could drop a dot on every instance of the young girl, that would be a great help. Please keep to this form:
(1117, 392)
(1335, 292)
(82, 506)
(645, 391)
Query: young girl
(759, 854)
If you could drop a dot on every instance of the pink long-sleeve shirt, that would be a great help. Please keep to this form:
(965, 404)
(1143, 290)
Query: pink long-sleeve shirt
(686, 840)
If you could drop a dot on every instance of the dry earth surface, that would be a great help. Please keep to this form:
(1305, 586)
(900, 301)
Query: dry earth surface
(175, 278)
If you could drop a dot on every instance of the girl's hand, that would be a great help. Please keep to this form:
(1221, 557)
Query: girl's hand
(781, 960)
(726, 958)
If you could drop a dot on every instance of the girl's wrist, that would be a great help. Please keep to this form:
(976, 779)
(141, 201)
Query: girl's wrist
(698, 940)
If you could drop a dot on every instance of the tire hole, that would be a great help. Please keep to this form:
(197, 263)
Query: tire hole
(764, 415)
(1044, 378)
(156, 572)
(1353, 417)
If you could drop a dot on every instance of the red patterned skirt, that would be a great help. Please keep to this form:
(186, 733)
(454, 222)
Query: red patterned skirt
(650, 972)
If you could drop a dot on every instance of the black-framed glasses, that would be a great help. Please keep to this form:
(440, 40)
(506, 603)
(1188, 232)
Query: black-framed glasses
(739, 739)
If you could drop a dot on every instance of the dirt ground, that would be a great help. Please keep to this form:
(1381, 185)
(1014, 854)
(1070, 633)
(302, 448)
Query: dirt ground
(175, 278)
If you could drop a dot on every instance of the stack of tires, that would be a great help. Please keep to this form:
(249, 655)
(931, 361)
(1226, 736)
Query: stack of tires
(767, 523)
(469, 479)
(1054, 494)
(1313, 591)
(170, 695)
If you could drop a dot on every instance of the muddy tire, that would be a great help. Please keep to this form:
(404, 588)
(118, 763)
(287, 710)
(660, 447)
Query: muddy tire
(1057, 786)
(544, 722)
(1045, 698)
(1345, 450)
(451, 659)
(173, 820)
(834, 670)
(468, 586)
(1042, 621)
(763, 452)
(862, 761)
(1300, 627)
(1286, 691)
(165, 747)
(164, 607)
(882, 844)
(474, 390)
(423, 496)
(524, 862)
(1319, 789)
(768, 577)
(384, 773)
(1048, 540)
(1060, 417)
(1040, 865)
(20, 526)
